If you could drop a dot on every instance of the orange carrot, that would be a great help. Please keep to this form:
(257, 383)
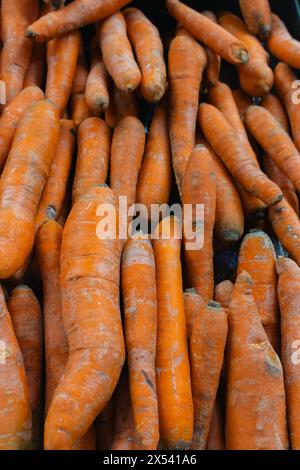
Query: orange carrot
(96, 89)
(172, 364)
(223, 293)
(121, 105)
(242, 102)
(36, 72)
(282, 45)
(93, 368)
(124, 438)
(79, 108)
(255, 399)
(213, 68)
(94, 137)
(146, 42)
(215, 438)
(22, 182)
(257, 15)
(26, 317)
(193, 303)
(117, 53)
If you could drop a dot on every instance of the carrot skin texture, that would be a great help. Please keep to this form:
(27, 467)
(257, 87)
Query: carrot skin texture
(282, 45)
(255, 389)
(22, 182)
(257, 15)
(97, 82)
(223, 293)
(79, 108)
(215, 438)
(88, 264)
(124, 438)
(193, 303)
(213, 67)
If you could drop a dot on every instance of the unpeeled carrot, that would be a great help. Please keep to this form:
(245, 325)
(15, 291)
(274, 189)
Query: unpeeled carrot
(79, 108)
(193, 303)
(282, 45)
(223, 293)
(213, 67)
(121, 105)
(257, 15)
(96, 89)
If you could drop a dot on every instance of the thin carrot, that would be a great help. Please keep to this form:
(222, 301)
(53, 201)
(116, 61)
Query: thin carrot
(117, 53)
(79, 108)
(289, 297)
(223, 293)
(78, 13)
(282, 45)
(209, 33)
(26, 317)
(257, 15)
(96, 89)
(193, 303)
(172, 363)
(22, 182)
(255, 398)
(236, 158)
(146, 42)
(213, 68)
(36, 72)
(124, 438)
(215, 438)
(121, 105)
(256, 77)
(15, 416)
(242, 101)
(93, 368)
(11, 117)
(94, 138)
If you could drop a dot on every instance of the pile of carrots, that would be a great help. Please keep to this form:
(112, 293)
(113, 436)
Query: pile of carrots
(135, 344)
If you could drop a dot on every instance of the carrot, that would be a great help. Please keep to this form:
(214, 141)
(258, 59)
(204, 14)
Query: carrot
(26, 317)
(193, 303)
(140, 315)
(148, 48)
(96, 89)
(215, 438)
(155, 176)
(93, 368)
(121, 105)
(56, 186)
(242, 102)
(11, 117)
(187, 61)
(257, 16)
(124, 438)
(22, 182)
(231, 151)
(207, 347)
(105, 425)
(282, 45)
(211, 34)
(15, 419)
(286, 225)
(199, 187)
(275, 141)
(36, 72)
(81, 73)
(255, 399)
(16, 16)
(79, 108)
(62, 56)
(257, 257)
(213, 67)
(288, 296)
(117, 53)
(223, 293)
(94, 137)
(172, 364)
(256, 77)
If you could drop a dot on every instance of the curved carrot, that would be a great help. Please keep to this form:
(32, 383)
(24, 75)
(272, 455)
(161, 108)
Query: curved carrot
(211, 34)
(96, 89)
(223, 293)
(90, 306)
(199, 187)
(11, 117)
(257, 16)
(124, 438)
(15, 418)
(117, 53)
(16, 16)
(282, 45)
(78, 13)
(193, 303)
(146, 42)
(289, 297)
(172, 364)
(79, 108)
(26, 317)
(22, 181)
(255, 399)
(242, 101)
(36, 72)
(215, 438)
(140, 315)
(121, 105)
(94, 138)
(231, 151)
(256, 77)
(213, 67)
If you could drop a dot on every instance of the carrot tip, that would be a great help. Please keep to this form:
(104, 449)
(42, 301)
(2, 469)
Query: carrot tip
(30, 34)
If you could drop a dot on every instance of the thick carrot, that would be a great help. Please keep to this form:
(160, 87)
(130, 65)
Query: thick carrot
(187, 61)
(215, 438)
(121, 105)
(92, 322)
(124, 438)
(207, 347)
(231, 151)
(172, 363)
(22, 182)
(155, 176)
(140, 315)
(94, 138)
(289, 297)
(193, 303)
(55, 189)
(256, 77)
(36, 72)
(11, 117)
(213, 67)
(275, 141)
(26, 316)
(199, 187)
(257, 257)
(117, 53)
(96, 89)
(257, 16)
(255, 398)
(148, 48)
(282, 45)
(223, 293)
(15, 416)
(242, 102)
(209, 33)
(16, 16)
(62, 56)
(79, 108)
